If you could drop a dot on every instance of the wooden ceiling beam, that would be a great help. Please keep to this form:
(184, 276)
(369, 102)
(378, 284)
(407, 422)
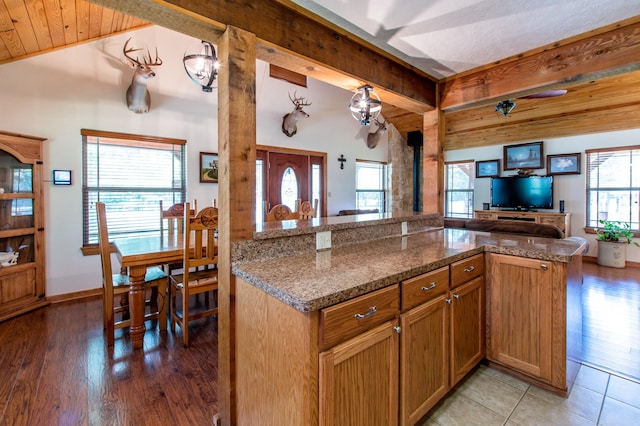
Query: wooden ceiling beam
(602, 54)
(294, 41)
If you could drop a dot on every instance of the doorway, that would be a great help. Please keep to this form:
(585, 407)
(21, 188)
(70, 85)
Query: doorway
(285, 175)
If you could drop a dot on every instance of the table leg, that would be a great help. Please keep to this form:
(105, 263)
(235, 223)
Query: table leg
(136, 304)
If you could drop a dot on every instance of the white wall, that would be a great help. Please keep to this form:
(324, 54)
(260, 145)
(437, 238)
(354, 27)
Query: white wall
(570, 188)
(57, 94)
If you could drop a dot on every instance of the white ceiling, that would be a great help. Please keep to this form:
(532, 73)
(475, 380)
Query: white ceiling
(446, 37)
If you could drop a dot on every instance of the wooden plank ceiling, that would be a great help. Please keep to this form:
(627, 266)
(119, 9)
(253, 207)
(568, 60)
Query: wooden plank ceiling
(31, 27)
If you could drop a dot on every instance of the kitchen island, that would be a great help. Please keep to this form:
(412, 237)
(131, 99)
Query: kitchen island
(314, 326)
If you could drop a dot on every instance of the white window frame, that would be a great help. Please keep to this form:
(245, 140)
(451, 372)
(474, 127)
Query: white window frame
(604, 200)
(451, 188)
(370, 187)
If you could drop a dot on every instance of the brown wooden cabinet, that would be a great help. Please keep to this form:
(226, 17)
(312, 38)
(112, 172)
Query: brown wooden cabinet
(561, 220)
(521, 317)
(424, 344)
(442, 339)
(359, 379)
(467, 328)
(22, 280)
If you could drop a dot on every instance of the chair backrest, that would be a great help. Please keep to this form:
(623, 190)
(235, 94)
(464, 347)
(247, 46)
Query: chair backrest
(199, 239)
(172, 220)
(305, 211)
(105, 249)
(279, 212)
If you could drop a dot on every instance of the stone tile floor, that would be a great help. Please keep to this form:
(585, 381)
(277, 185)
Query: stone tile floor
(489, 397)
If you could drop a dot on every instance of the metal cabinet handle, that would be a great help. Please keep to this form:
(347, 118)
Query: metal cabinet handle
(431, 286)
(456, 296)
(544, 266)
(470, 269)
(447, 300)
(397, 329)
(372, 310)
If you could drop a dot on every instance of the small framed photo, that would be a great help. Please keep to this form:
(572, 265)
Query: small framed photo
(563, 164)
(62, 177)
(523, 156)
(488, 168)
(208, 167)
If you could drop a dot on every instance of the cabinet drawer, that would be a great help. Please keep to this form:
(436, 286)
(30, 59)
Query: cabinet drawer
(350, 318)
(481, 215)
(423, 288)
(467, 269)
(550, 220)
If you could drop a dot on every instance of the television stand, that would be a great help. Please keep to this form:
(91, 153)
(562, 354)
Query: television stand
(561, 220)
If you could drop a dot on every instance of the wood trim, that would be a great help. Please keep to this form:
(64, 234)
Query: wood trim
(76, 295)
(602, 54)
(287, 75)
(619, 148)
(129, 136)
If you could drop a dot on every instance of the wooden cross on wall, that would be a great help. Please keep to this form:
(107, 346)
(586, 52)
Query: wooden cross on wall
(342, 160)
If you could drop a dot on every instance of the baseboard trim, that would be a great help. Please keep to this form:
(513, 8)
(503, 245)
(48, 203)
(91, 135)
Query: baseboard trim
(67, 297)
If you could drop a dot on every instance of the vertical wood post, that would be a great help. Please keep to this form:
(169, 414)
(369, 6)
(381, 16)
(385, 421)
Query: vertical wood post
(236, 191)
(433, 162)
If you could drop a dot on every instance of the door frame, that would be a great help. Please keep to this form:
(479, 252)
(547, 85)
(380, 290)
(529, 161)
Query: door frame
(324, 178)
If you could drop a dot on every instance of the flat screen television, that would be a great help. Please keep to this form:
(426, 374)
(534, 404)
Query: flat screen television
(522, 192)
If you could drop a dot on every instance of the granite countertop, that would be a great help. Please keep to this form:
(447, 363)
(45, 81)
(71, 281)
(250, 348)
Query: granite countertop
(313, 280)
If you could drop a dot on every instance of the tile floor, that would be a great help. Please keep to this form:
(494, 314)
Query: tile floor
(489, 397)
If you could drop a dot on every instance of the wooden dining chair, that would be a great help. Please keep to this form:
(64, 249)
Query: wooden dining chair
(279, 212)
(172, 220)
(200, 272)
(117, 286)
(305, 211)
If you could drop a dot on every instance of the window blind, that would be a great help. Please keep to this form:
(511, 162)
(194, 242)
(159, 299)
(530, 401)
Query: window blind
(130, 174)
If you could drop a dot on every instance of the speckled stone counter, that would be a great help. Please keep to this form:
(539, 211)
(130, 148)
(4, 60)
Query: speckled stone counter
(309, 280)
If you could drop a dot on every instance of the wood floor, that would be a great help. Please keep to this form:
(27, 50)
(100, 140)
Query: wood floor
(56, 370)
(611, 319)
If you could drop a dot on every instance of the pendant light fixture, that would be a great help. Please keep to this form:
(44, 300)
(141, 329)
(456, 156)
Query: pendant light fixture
(202, 68)
(365, 105)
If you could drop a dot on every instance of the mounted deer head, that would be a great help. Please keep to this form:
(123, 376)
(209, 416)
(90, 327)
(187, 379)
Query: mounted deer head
(138, 98)
(289, 120)
(374, 137)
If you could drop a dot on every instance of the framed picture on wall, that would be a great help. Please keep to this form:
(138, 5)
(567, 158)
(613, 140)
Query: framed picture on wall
(523, 156)
(209, 167)
(563, 164)
(488, 168)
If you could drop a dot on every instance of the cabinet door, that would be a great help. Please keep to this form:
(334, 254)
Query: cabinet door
(520, 304)
(467, 327)
(424, 359)
(359, 380)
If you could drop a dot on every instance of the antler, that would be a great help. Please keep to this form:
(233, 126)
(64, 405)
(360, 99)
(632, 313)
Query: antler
(298, 101)
(147, 60)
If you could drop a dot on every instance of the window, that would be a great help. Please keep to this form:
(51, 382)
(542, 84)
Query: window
(458, 191)
(613, 185)
(371, 190)
(130, 174)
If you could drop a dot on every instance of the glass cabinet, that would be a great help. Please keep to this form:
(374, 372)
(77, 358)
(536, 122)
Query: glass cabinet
(22, 271)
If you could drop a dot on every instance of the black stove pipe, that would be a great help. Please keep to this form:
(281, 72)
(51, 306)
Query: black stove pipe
(414, 140)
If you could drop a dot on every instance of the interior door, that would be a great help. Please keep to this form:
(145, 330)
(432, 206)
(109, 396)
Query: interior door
(288, 179)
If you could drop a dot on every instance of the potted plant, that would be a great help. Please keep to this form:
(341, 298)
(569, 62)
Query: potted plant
(613, 238)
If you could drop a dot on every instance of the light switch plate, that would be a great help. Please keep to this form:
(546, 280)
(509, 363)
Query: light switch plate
(323, 240)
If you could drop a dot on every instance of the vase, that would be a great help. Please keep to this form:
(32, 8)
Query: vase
(612, 254)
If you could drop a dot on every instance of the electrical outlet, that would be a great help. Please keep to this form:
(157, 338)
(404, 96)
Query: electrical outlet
(323, 240)
(404, 228)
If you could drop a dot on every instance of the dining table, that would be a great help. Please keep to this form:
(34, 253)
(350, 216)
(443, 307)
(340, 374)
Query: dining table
(137, 254)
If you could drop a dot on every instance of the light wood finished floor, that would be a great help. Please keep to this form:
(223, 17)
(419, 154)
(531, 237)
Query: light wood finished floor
(55, 369)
